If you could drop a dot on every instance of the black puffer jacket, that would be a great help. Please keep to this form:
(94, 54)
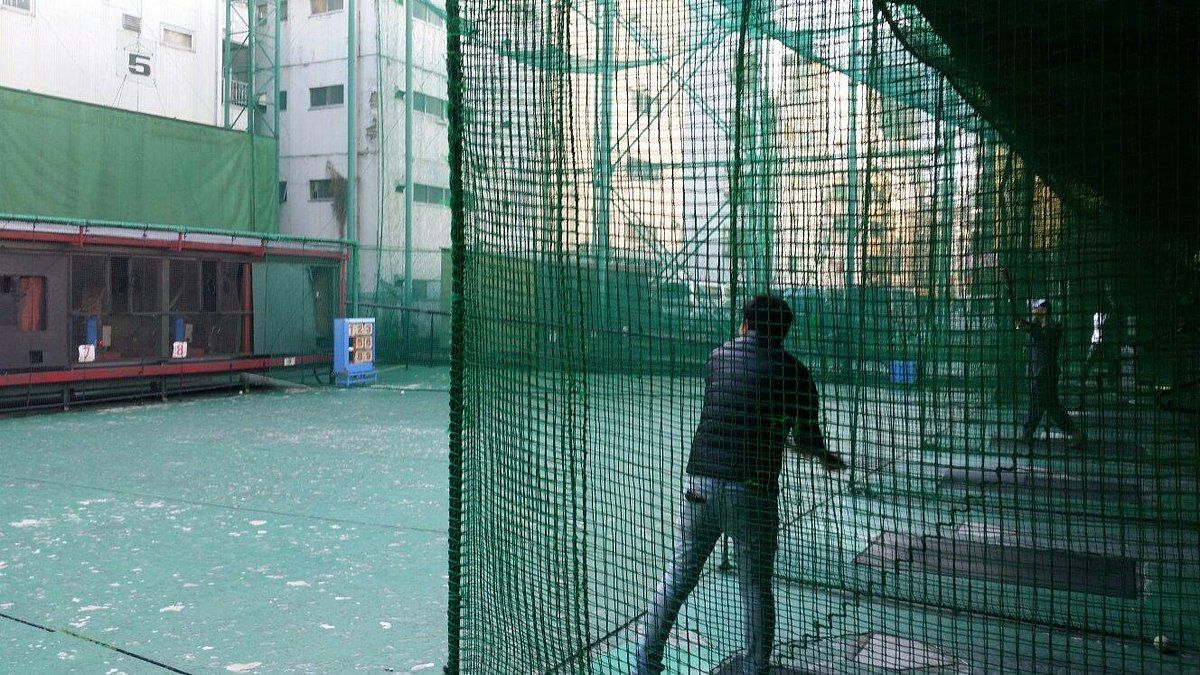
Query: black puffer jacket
(755, 393)
(1043, 349)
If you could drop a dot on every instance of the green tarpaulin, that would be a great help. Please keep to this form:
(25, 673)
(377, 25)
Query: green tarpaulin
(65, 159)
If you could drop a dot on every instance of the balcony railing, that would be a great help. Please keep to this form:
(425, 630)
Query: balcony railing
(239, 92)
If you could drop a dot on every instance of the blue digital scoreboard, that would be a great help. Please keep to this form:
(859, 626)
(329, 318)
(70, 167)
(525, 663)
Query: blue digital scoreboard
(354, 351)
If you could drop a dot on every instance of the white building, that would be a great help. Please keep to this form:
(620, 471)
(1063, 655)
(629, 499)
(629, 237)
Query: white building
(313, 142)
(161, 58)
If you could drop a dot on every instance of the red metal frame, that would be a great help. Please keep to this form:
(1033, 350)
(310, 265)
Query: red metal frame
(92, 374)
(82, 238)
(248, 308)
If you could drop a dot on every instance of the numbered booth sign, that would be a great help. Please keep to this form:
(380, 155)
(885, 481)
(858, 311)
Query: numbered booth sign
(354, 351)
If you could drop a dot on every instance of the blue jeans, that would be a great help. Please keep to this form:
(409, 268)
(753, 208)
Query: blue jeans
(748, 514)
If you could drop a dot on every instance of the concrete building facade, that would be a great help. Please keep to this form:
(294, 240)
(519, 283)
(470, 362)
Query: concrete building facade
(162, 58)
(313, 137)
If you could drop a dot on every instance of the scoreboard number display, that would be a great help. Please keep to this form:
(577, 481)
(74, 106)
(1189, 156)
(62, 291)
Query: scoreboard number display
(354, 351)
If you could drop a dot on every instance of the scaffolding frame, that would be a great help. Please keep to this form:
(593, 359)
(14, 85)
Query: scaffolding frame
(252, 29)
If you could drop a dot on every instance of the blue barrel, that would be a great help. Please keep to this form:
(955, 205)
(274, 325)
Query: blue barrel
(903, 372)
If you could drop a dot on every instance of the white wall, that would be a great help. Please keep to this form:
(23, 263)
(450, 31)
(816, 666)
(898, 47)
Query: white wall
(77, 49)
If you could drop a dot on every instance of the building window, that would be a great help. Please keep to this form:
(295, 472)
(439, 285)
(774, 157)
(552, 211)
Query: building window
(282, 100)
(323, 97)
(430, 105)
(263, 11)
(19, 5)
(23, 303)
(423, 12)
(177, 38)
(641, 170)
(282, 191)
(428, 194)
(323, 6)
(644, 103)
(320, 190)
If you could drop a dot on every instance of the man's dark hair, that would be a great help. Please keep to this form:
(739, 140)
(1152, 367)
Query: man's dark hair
(768, 316)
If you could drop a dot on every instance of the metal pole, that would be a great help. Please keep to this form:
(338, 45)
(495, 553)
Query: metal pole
(275, 74)
(409, 97)
(226, 69)
(736, 187)
(381, 194)
(852, 153)
(251, 95)
(944, 295)
(454, 77)
(174, 229)
(769, 188)
(602, 169)
(352, 146)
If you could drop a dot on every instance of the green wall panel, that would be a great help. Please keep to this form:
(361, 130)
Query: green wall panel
(294, 307)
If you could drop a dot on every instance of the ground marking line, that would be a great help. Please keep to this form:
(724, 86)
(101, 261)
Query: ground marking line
(122, 651)
(94, 641)
(400, 387)
(177, 500)
(27, 623)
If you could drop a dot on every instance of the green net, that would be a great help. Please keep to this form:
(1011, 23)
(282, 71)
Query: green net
(629, 174)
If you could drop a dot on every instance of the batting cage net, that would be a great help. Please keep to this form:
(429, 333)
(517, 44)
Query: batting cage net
(982, 216)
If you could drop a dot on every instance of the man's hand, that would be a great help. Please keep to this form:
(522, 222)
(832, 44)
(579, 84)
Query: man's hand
(831, 462)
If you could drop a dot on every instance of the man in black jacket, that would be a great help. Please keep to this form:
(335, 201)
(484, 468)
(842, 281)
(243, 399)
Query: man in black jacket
(755, 395)
(1045, 338)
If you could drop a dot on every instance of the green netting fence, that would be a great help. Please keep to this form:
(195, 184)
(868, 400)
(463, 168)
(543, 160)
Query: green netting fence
(627, 174)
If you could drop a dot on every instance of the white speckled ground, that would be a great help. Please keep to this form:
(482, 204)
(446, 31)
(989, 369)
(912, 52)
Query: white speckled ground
(280, 531)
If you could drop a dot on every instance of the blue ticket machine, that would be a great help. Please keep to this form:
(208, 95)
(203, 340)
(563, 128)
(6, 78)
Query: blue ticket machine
(354, 352)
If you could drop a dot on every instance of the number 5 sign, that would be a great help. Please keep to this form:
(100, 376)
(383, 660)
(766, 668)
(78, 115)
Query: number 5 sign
(135, 63)
(139, 64)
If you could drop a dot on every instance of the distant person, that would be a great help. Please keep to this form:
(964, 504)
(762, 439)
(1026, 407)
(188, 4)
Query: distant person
(1045, 336)
(755, 395)
(1104, 352)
